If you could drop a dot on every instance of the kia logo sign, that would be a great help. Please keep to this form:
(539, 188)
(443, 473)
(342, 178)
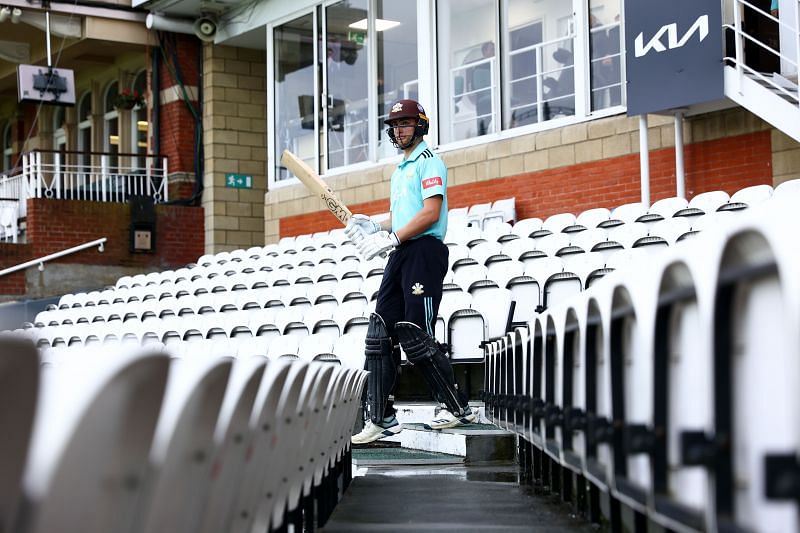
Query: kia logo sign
(655, 44)
(673, 54)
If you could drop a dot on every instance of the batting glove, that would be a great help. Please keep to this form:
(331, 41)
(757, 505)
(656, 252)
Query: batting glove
(377, 244)
(360, 226)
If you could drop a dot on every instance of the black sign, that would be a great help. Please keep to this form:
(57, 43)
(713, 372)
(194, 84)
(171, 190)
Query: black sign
(674, 54)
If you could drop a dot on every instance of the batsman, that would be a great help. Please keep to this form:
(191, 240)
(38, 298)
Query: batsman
(409, 295)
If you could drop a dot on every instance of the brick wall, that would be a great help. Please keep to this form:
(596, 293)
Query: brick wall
(176, 122)
(10, 255)
(235, 140)
(727, 164)
(54, 225)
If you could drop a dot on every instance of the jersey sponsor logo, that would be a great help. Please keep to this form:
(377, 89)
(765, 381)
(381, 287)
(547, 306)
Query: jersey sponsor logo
(431, 182)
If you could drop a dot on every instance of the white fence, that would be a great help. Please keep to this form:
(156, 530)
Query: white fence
(98, 177)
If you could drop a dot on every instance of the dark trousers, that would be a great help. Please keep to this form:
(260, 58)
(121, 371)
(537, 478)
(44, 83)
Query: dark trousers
(411, 289)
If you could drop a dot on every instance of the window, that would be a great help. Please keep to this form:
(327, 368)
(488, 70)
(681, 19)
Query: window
(500, 64)
(398, 76)
(85, 131)
(347, 52)
(605, 44)
(7, 147)
(111, 126)
(467, 68)
(331, 116)
(139, 123)
(296, 102)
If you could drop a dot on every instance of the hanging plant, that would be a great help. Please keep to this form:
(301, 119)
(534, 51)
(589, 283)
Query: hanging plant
(128, 99)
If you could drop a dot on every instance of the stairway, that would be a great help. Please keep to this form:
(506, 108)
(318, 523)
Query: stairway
(760, 94)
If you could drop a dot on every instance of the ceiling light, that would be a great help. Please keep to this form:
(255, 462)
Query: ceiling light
(380, 24)
(16, 13)
(5, 13)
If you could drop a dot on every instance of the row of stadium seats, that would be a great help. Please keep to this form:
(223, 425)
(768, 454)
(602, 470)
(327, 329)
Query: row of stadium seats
(538, 270)
(121, 438)
(669, 386)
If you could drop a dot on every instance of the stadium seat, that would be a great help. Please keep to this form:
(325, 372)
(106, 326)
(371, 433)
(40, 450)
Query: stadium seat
(95, 421)
(527, 227)
(747, 197)
(625, 214)
(790, 187)
(593, 218)
(664, 209)
(237, 515)
(233, 437)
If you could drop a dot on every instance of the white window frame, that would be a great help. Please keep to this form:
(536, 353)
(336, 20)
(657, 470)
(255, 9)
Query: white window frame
(134, 126)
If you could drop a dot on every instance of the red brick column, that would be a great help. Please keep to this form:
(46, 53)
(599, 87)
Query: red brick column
(181, 56)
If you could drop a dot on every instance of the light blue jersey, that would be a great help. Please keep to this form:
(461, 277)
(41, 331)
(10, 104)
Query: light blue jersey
(420, 176)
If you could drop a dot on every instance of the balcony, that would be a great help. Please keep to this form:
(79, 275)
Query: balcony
(87, 176)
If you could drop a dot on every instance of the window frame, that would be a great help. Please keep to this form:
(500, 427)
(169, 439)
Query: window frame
(429, 84)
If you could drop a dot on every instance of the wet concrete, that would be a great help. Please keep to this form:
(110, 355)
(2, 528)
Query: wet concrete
(448, 498)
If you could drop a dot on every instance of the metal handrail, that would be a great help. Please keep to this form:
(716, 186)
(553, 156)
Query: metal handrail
(42, 260)
(741, 36)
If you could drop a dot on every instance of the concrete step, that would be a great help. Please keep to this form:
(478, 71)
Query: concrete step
(474, 442)
(382, 453)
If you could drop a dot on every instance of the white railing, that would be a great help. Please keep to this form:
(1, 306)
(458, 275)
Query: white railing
(742, 38)
(42, 260)
(98, 177)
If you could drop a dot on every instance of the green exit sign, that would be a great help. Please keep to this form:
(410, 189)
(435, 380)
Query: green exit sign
(356, 36)
(238, 181)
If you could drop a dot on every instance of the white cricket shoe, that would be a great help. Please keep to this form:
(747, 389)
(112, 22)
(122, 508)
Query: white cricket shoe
(444, 419)
(373, 432)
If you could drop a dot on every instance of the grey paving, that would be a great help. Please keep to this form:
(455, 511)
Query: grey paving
(454, 498)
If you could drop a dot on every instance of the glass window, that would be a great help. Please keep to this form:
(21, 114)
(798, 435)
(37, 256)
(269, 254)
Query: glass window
(111, 126)
(467, 68)
(347, 53)
(605, 43)
(396, 29)
(139, 122)
(538, 62)
(295, 94)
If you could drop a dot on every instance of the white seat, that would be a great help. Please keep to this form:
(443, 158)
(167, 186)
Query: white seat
(233, 437)
(483, 251)
(527, 226)
(626, 213)
(514, 249)
(246, 495)
(349, 349)
(284, 346)
(559, 222)
(592, 218)
(747, 197)
(664, 209)
(787, 188)
(185, 431)
(495, 306)
(315, 345)
(93, 432)
(451, 302)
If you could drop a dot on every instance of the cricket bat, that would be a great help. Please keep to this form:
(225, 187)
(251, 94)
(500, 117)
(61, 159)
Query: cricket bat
(314, 183)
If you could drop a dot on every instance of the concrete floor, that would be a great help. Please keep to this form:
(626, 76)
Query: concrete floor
(447, 498)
